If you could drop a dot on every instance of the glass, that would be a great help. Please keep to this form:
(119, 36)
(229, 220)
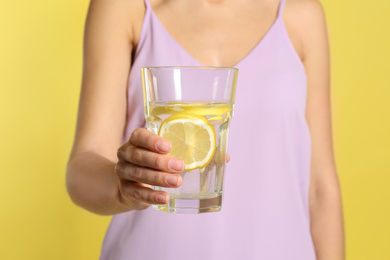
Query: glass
(208, 93)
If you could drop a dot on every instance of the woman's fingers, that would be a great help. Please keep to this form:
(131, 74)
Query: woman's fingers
(148, 176)
(144, 138)
(146, 158)
(146, 149)
(143, 161)
(139, 193)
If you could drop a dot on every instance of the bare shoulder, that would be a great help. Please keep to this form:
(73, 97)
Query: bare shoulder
(120, 15)
(126, 6)
(308, 8)
(305, 19)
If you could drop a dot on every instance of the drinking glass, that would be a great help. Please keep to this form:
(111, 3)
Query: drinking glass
(203, 94)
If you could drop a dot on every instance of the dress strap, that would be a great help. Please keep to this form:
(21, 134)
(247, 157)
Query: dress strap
(148, 10)
(281, 7)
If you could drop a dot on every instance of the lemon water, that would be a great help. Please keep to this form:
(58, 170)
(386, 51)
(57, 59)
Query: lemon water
(201, 190)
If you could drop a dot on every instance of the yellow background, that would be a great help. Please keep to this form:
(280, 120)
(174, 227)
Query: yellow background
(40, 71)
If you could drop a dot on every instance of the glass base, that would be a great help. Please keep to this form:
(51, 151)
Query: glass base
(191, 206)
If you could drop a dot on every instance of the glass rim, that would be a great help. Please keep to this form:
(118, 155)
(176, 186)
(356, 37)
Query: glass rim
(191, 67)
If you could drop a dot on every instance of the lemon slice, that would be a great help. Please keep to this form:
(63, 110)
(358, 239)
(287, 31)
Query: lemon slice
(192, 138)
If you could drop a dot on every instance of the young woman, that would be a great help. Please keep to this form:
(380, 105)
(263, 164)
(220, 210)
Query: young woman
(282, 198)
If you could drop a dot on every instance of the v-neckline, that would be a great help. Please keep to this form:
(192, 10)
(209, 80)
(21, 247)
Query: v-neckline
(258, 44)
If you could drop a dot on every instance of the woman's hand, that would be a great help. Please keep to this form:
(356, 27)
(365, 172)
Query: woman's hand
(142, 161)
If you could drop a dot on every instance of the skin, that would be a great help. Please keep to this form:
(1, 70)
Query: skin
(107, 178)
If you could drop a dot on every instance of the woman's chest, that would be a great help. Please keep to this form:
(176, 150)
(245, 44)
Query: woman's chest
(219, 34)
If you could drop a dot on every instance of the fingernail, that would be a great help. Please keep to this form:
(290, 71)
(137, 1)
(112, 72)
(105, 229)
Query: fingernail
(161, 199)
(163, 146)
(172, 180)
(176, 165)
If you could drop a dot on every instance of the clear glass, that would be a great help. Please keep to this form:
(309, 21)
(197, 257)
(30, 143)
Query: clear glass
(205, 91)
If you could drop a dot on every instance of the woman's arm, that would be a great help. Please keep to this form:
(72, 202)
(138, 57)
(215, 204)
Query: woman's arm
(96, 179)
(324, 194)
(91, 181)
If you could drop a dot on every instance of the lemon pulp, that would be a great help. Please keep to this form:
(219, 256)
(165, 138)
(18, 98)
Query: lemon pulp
(192, 138)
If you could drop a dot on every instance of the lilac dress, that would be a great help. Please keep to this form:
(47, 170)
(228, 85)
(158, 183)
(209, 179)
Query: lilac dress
(265, 211)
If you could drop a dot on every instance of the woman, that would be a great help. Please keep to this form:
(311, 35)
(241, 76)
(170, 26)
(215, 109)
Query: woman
(281, 199)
